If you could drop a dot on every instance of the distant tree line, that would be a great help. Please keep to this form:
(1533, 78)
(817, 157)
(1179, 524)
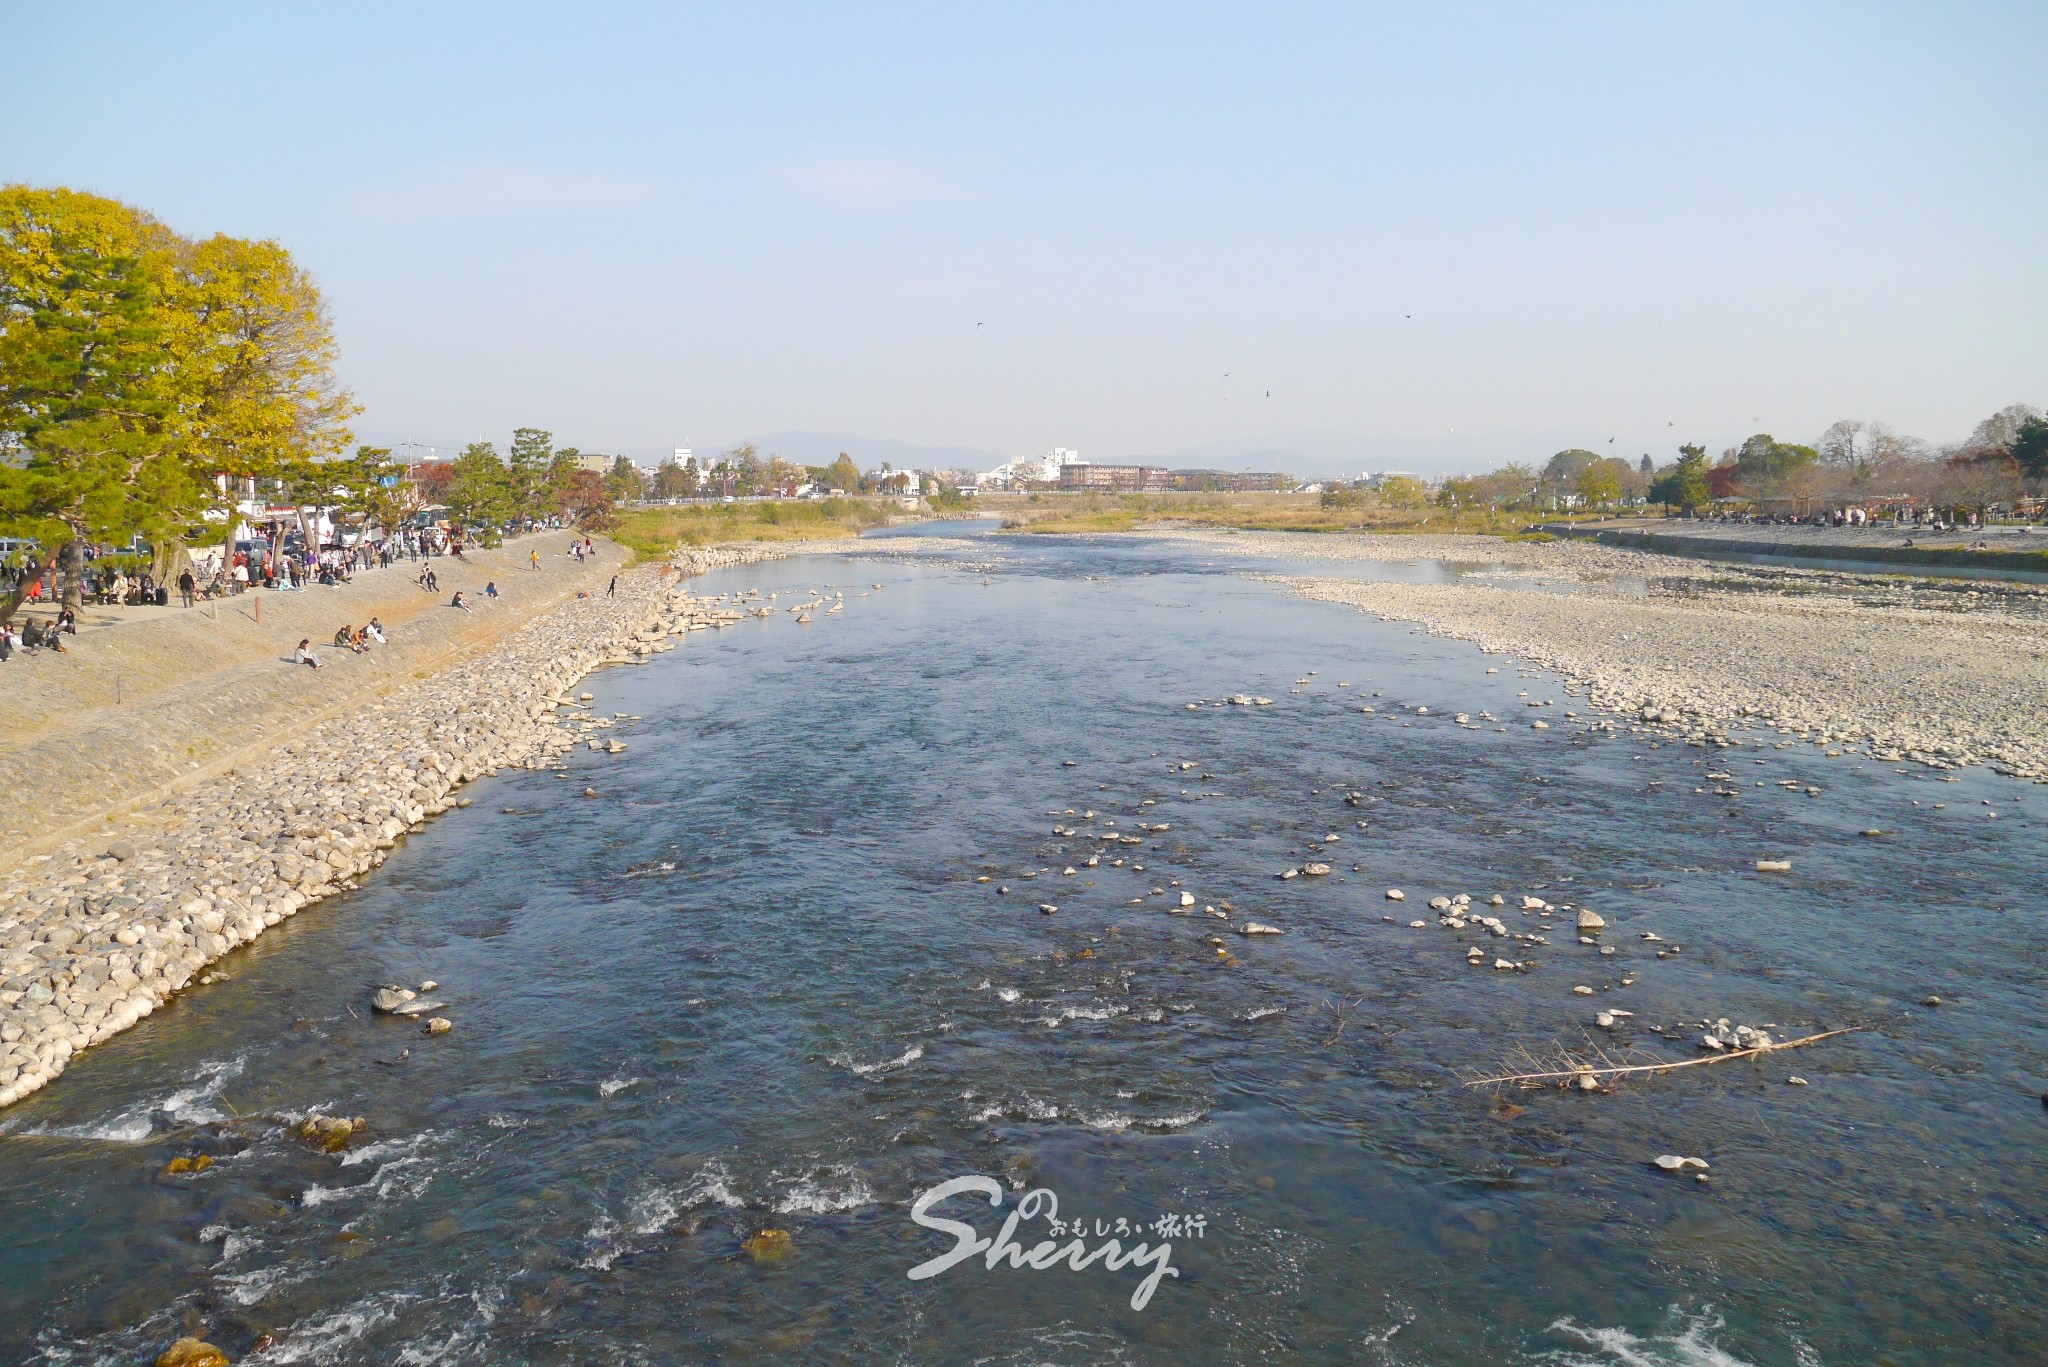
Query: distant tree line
(1852, 463)
(531, 482)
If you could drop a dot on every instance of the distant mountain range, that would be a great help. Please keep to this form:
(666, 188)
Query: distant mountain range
(869, 453)
(1323, 454)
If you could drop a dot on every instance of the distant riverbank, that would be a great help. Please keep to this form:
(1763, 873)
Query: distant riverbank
(1940, 673)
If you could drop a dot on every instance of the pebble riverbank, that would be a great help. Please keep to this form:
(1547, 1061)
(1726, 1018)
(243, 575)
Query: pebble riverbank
(1946, 674)
(100, 931)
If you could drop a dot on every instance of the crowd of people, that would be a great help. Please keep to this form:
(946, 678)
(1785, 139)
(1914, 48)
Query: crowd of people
(228, 573)
(1898, 517)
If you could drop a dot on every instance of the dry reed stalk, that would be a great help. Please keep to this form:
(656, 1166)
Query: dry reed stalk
(1574, 1064)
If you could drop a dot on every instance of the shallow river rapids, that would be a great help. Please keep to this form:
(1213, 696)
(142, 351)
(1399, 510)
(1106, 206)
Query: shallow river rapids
(758, 983)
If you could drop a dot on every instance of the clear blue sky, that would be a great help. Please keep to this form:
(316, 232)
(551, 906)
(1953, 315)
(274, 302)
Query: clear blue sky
(640, 225)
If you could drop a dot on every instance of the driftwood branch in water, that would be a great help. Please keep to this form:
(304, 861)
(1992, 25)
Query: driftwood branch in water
(1570, 1068)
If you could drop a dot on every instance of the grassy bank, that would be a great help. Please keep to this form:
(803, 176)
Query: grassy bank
(653, 532)
(1071, 513)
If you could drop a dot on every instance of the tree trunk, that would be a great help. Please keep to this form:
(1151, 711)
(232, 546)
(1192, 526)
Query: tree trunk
(73, 595)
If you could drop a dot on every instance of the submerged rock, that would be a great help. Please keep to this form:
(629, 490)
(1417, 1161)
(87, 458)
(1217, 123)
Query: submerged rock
(769, 1246)
(189, 1352)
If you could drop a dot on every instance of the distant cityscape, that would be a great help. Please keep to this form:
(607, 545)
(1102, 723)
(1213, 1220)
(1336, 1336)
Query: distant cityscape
(745, 473)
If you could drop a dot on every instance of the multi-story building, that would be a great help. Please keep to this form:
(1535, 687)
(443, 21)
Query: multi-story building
(1232, 482)
(1122, 479)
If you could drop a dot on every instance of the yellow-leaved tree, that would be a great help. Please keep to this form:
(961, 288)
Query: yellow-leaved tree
(142, 373)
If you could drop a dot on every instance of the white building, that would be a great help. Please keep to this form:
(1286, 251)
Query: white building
(1044, 470)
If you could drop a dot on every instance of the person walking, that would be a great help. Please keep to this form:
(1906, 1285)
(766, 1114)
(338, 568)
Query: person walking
(535, 557)
(186, 584)
(611, 590)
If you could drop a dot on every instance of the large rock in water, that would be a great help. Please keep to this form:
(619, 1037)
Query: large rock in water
(327, 1133)
(192, 1353)
(769, 1246)
(1590, 920)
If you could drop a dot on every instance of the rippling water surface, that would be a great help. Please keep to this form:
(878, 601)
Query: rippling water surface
(755, 983)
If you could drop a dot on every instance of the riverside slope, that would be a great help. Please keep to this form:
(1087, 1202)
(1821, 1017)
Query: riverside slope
(98, 932)
(165, 697)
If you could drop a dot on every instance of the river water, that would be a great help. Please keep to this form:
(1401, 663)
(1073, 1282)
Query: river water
(756, 983)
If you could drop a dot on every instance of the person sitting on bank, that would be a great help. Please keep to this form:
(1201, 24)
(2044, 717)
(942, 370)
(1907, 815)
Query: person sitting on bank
(375, 631)
(304, 654)
(67, 620)
(491, 589)
(460, 600)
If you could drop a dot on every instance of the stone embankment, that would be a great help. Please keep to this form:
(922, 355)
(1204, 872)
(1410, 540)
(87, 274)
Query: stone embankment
(98, 932)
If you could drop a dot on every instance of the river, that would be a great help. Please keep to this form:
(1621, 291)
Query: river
(757, 982)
